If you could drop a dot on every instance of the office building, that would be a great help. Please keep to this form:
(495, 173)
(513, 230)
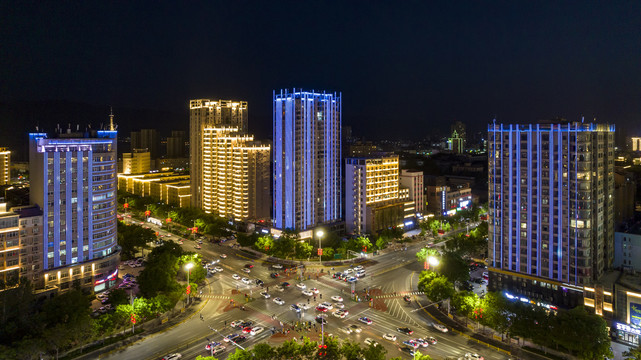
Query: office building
(10, 242)
(73, 180)
(413, 180)
(636, 143)
(235, 177)
(307, 159)
(455, 143)
(136, 162)
(30, 220)
(625, 193)
(205, 113)
(446, 198)
(551, 209)
(5, 166)
(176, 145)
(146, 139)
(168, 187)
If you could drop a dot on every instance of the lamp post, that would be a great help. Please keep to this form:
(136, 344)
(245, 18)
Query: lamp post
(188, 267)
(320, 234)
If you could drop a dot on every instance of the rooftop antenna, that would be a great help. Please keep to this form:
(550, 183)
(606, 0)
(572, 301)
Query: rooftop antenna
(582, 119)
(111, 119)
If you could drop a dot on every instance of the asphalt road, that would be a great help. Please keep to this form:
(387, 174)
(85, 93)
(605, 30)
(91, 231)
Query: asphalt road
(389, 273)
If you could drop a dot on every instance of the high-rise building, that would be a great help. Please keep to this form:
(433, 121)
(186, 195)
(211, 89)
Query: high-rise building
(5, 166)
(235, 177)
(73, 179)
(10, 242)
(176, 145)
(31, 255)
(459, 128)
(307, 159)
(208, 113)
(146, 139)
(413, 180)
(636, 143)
(455, 143)
(136, 162)
(551, 209)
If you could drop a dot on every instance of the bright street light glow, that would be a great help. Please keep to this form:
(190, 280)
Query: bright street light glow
(320, 233)
(188, 266)
(433, 261)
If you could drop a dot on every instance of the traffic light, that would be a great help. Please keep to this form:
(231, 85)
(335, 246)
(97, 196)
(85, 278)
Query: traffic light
(126, 205)
(188, 289)
(322, 350)
(147, 213)
(133, 318)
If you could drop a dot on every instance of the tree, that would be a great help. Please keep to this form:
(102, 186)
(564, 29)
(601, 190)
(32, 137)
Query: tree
(240, 355)
(419, 356)
(118, 297)
(381, 243)
(264, 243)
(372, 352)
(424, 253)
(263, 351)
(333, 351)
(200, 357)
(303, 249)
(583, 333)
(454, 267)
(328, 253)
(351, 350)
(633, 353)
(495, 312)
(289, 350)
(438, 289)
(425, 277)
(252, 239)
(465, 303)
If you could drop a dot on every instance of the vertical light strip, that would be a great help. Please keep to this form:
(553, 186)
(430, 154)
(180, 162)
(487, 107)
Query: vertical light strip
(518, 198)
(539, 195)
(551, 170)
(67, 206)
(45, 205)
(510, 202)
(79, 206)
(576, 200)
(559, 204)
(56, 209)
(90, 197)
(530, 141)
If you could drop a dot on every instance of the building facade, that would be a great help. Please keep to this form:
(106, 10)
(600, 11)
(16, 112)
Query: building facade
(636, 143)
(551, 209)
(136, 162)
(30, 218)
(176, 145)
(168, 187)
(10, 246)
(413, 180)
(448, 198)
(146, 139)
(73, 179)
(5, 166)
(627, 250)
(306, 159)
(235, 177)
(205, 113)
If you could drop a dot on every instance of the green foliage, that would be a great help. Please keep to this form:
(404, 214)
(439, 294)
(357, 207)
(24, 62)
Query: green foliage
(118, 297)
(263, 351)
(454, 267)
(351, 350)
(289, 350)
(160, 271)
(422, 254)
(392, 234)
(633, 353)
(419, 356)
(425, 277)
(495, 312)
(303, 249)
(372, 352)
(381, 243)
(240, 355)
(133, 238)
(466, 302)
(328, 253)
(438, 289)
(248, 240)
(583, 333)
(284, 246)
(264, 243)
(200, 357)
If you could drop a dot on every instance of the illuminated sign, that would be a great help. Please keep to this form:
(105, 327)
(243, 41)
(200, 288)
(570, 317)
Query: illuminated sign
(635, 314)
(628, 328)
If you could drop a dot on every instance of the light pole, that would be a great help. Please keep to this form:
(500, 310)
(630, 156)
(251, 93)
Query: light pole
(188, 267)
(320, 234)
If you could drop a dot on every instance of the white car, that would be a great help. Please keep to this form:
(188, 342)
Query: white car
(218, 269)
(359, 267)
(223, 256)
(314, 290)
(329, 306)
(279, 301)
(236, 277)
(246, 270)
(256, 330)
(237, 323)
(355, 328)
(280, 288)
(348, 271)
(337, 298)
(340, 314)
(473, 356)
(303, 306)
(301, 286)
(175, 356)
(370, 341)
(339, 305)
(265, 295)
(345, 329)
(390, 337)
(246, 281)
(277, 266)
(440, 327)
(308, 293)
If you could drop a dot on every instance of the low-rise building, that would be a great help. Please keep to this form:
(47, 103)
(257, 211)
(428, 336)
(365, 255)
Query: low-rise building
(169, 187)
(448, 198)
(136, 162)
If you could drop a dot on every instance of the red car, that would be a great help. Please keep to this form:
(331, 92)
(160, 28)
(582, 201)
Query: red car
(249, 266)
(247, 330)
(321, 308)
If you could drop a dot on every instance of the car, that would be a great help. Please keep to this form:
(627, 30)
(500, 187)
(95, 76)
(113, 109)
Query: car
(365, 320)
(407, 298)
(217, 349)
(484, 282)
(280, 288)
(352, 279)
(247, 330)
(223, 256)
(230, 337)
(345, 329)
(411, 342)
(405, 330)
(218, 269)
(407, 350)
(422, 342)
(248, 266)
(370, 341)
(439, 327)
(348, 271)
(236, 323)
(198, 247)
(257, 330)
(314, 290)
(236, 277)
(355, 328)
(328, 305)
(337, 298)
(303, 306)
(295, 307)
(340, 314)
(473, 356)
(301, 286)
(245, 324)
(390, 337)
(277, 266)
(430, 339)
(245, 270)
(321, 308)
(339, 305)
(485, 273)
(265, 294)
(360, 273)
(246, 281)
(321, 320)
(273, 275)
(279, 301)
(259, 282)
(175, 356)
(285, 284)
(308, 293)
(240, 339)
(358, 268)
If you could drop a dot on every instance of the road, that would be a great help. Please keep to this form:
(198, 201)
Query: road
(386, 274)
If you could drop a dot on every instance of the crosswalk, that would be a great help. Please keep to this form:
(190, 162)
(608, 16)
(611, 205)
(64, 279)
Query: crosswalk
(213, 296)
(397, 294)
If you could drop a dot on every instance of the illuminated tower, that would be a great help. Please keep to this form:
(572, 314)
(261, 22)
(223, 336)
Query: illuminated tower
(5, 166)
(306, 159)
(208, 113)
(551, 208)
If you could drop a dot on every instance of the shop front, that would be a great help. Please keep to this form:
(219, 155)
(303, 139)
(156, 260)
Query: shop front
(627, 333)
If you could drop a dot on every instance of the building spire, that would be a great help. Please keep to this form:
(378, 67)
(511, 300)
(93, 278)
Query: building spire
(111, 119)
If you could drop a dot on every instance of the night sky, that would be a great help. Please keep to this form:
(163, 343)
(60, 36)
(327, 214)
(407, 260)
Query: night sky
(406, 69)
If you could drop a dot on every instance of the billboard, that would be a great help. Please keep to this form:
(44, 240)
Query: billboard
(635, 314)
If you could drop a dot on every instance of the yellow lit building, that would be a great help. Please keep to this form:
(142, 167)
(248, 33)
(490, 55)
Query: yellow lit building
(5, 166)
(374, 199)
(235, 175)
(136, 162)
(169, 187)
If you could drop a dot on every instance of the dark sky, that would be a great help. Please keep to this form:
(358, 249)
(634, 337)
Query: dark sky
(405, 68)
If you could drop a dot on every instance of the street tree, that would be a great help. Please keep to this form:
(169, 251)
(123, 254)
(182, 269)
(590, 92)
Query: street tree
(303, 249)
(381, 243)
(496, 313)
(633, 353)
(465, 303)
(289, 350)
(200, 357)
(425, 277)
(264, 243)
(351, 350)
(582, 333)
(372, 352)
(440, 288)
(240, 355)
(263, 351)
(454, 267)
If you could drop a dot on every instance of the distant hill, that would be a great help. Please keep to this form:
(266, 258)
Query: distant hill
(18, 118)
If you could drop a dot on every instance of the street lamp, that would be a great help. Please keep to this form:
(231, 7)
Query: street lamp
(431, 261)
(188, 267)
(319, 234)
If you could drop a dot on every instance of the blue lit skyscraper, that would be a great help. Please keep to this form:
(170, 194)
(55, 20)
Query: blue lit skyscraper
(307, 159)
(73, 180)
(551, 209)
